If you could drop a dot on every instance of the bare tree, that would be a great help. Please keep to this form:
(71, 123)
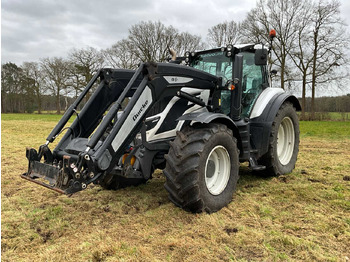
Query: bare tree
(224, 33)
(12, 91)
(56, 75)
(120, 55)
(187, 42)
(86, 62)
(282, 16)
(34, 77)
(328, 43)
(301, 54)
(149, 41)
(319, 47)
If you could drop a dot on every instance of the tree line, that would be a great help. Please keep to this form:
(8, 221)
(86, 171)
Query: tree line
(325, 105)
(25, 87)
(309, 53)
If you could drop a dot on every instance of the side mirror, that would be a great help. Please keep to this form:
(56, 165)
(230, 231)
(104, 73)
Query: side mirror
(260, 57)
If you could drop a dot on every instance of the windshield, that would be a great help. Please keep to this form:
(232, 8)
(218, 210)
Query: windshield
(215, 63)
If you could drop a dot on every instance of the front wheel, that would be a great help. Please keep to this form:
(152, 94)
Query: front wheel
(202, 168)
(284, 142)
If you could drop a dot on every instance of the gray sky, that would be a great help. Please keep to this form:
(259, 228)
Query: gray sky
(34, 29)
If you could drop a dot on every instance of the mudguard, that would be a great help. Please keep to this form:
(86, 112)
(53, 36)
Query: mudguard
(263, 115)
(209, 117)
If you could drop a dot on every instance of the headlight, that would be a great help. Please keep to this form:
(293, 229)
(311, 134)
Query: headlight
(229, 48)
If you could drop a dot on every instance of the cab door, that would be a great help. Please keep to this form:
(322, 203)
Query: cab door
(254, 82)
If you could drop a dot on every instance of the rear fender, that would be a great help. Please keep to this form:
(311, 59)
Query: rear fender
(263, 115)
(269, 102)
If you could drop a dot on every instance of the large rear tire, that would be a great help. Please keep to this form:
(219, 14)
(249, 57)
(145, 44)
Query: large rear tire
(202, 168)
(284, 142)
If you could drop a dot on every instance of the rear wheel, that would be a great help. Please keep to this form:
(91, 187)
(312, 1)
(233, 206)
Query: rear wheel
(202, 168)
(284, 142)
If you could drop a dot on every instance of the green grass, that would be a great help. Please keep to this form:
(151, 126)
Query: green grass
(302, 216)
(31, 117)
(35, 117)
(325, 129)
(51, 116)
(335, 116)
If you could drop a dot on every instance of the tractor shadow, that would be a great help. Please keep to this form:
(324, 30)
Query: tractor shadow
(152, 195)
(249, 178)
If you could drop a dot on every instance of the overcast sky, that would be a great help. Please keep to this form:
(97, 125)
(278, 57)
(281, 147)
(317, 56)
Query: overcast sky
(34, 29)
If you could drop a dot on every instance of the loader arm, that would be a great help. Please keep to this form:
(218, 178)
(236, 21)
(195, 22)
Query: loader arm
(94, 144)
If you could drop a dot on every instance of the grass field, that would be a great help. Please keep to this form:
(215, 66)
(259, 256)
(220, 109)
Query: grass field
(329, 116)
(303, 216)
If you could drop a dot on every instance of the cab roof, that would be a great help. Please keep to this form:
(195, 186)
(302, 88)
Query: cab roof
(237, 47)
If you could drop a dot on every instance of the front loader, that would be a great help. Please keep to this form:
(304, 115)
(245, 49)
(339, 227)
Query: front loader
(196, 122)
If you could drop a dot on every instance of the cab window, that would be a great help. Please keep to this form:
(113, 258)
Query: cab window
(215, 63)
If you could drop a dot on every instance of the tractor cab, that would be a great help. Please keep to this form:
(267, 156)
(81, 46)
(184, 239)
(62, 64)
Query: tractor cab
(240, 87)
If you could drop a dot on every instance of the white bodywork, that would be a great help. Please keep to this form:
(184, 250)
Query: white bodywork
(152, 133)
(263, 101)
(133, 118)
(177, 79)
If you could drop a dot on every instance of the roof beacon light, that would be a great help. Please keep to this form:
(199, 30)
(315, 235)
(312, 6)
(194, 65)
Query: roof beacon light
(272, 34)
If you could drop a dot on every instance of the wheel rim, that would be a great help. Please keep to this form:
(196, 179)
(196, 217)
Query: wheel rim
(217, 170)
(285, 141)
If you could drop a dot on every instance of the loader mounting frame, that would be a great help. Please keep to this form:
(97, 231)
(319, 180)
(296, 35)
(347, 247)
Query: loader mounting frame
(99, 142)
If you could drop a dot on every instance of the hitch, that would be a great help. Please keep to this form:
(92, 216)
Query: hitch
(65, 177)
